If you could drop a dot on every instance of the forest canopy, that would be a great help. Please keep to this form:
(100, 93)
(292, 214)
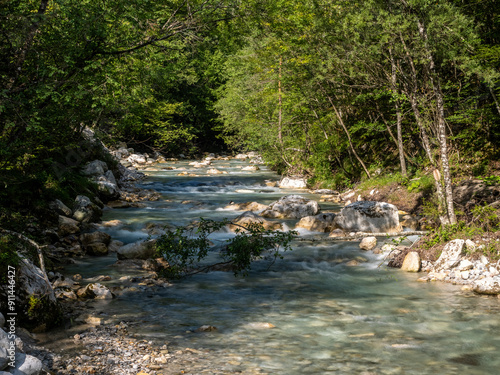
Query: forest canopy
(336, 91)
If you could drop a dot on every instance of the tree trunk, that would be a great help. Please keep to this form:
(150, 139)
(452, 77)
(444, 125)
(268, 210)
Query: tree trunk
(441, 127)
(398, 117)
(339, 117)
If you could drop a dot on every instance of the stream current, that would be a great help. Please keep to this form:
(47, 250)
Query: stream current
(328, 317)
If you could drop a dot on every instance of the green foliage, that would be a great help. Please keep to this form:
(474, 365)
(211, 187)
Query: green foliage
(8, 257)
(448, 233)
(486, 217)
(184, 248)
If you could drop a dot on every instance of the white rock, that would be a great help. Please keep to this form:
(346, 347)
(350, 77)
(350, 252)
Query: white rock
(293, 183)
(369, 217)
(465, 264)
(470, 245)
(251, 168)
(318, 223)
(490, 285)
(368, 243)
(291, 207)
(137, 159)
(451, 255)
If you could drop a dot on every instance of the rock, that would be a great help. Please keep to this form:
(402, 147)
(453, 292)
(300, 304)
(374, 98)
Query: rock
(450, 256)
(60, 208)
(249, 206)
(86, 211)
(95, 291)
(293, 183)
(114, 246)
(137, 159)
(241, 156)
(368, 243)
(490, 286)
(95, 243)
(370, 217)
(206, 328)
(107, 185)
(410, 222)
(470, 245)
(318, 223)
(251, 168)
(249, 217)
(34, 294)
(337, 233)
(137, 250)
(291, 207)
(27, 365)
(95, 168)
(2, 321)
(129, 175)
(95, 237)
(330, 198)
(259, 325)
(411, 263)
(465, 265)
(67, 226)
(4, 359)
(215, 171)
(65, 293)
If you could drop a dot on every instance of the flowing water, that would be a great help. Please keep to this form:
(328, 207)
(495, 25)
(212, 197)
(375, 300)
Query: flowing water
(328, 317)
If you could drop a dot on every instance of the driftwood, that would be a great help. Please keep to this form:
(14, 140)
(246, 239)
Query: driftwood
(363, 235)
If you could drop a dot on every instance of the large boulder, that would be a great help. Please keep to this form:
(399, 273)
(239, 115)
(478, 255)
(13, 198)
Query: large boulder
(317, 223)
(450, 256)
(95, 243)
(107, 185)
(490, 286)
(60, 208)
(36, 303)
(293, 183)
(291, 207)
(95, 168)
(248, 218)
(67, 226)
(137, 250)
(369, 217)
(85, 211)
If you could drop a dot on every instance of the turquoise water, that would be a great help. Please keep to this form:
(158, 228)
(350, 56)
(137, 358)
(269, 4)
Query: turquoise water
(327, 317)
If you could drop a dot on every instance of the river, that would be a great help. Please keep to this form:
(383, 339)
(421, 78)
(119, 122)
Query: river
(328, 317)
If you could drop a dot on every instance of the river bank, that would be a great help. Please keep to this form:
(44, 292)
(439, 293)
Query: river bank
(188, 193)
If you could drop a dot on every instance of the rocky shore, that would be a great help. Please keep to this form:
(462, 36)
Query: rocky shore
(103, 346)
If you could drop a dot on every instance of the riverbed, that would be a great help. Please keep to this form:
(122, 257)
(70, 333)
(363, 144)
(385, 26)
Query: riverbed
(312, 312)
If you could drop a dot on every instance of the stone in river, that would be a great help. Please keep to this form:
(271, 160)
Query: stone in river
(368, 243)
(411, 263)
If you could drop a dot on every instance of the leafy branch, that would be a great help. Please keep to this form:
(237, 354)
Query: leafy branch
(184, 248)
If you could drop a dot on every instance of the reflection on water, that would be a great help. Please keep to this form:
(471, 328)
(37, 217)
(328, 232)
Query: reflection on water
(328, 317)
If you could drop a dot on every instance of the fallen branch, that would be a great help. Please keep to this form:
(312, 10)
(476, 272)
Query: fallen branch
(363, 235)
